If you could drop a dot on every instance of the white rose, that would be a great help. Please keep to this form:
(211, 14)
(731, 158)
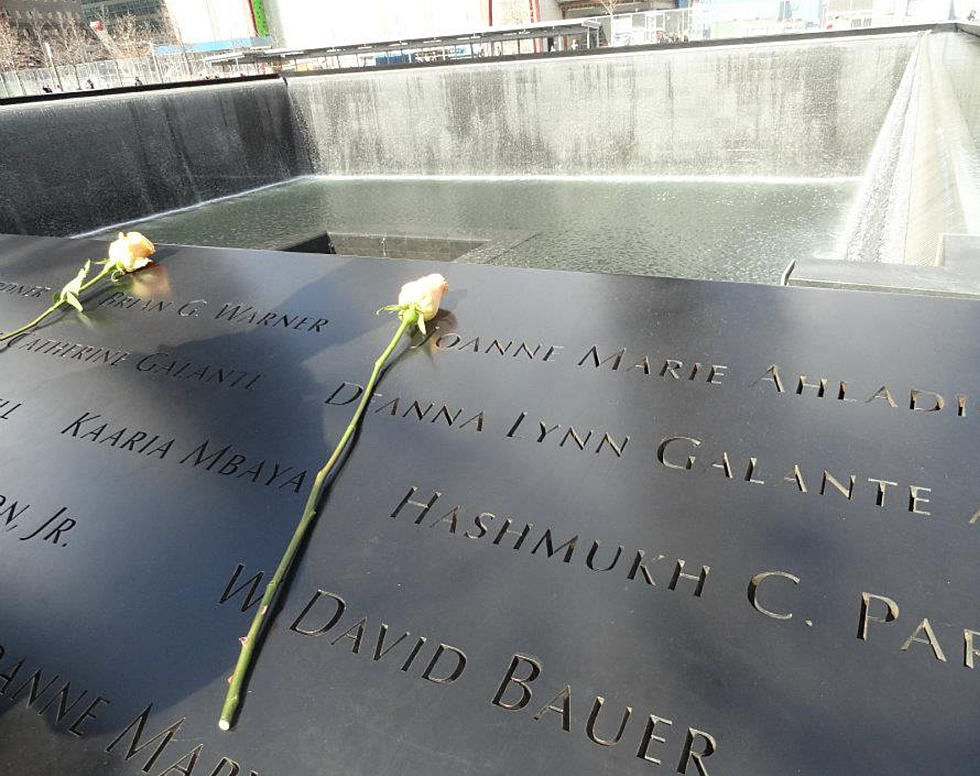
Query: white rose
(425, 294)
(131, 252)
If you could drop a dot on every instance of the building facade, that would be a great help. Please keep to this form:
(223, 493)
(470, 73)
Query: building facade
(301, 23)
(31, 12)
(215, 21)
(574, 9)
(146, 11)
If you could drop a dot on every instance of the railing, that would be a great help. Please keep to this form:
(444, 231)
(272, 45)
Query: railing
(710, 22)
(704, 21)
(115, 73)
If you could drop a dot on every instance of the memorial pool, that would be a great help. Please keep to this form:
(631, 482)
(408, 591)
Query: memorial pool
(716, 229)
(722, 161)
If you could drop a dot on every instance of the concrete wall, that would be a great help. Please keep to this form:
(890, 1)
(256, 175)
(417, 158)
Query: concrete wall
(944, 169)
(960, 59)
(72, 165)
(810, 108)
(923, 179)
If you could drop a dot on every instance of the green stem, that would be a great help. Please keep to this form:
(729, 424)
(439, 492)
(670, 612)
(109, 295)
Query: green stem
(105, 271)
(55, 306)
(408, 318)
(33, 323)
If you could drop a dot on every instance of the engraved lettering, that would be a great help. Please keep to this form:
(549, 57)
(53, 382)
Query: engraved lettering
(772, 375)
(252, 583)
(648, 735)
(847, 493)
(890, 614)
(453, 675)
(441, 341)
(689, 754)
(568, 546)
(915, 499)
(511, 678)
(925, 627)
(969, 650)
(662, 452)
(521, 536)
(408, 500)
(915, 405)
(565, 698)
(616, 358)
(591, 557)
(680, 574)
(716, 370)
(753, 592)
(594, 714)
(135, 747)
(379, 649)
(884, 394)
(355, 633)
(87, 714)
(35, 683)
(882, 489)
(64, 708)
(339, 607)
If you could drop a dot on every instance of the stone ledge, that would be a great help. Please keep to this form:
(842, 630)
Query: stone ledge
(956, 275)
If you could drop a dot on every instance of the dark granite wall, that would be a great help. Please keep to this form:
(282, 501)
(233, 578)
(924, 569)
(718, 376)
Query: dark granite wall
(73, 165)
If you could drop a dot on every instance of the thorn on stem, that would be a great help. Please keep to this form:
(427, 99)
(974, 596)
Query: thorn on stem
(244, 640)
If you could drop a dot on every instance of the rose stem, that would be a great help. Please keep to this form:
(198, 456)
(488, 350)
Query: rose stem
(105, 271)
(53, 307)
(408, 318)
(35, 322)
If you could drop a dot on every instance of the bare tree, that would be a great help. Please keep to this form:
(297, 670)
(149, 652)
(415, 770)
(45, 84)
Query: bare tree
(12, 47)
(10, 44)
(38, 51)
(62, 43)
(610, 5)
(128, 41)
(133, 39)
(33, 32)
(73, 44)
(130, 38)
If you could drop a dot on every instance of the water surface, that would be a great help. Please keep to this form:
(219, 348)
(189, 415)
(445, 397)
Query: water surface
(721, 229)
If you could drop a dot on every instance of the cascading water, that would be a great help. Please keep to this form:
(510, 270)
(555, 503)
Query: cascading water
(799, 109)
(724, 161)
(923, 176)
(71, 165)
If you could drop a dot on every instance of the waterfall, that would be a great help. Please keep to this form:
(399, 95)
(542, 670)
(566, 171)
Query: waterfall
(73, 165)
(923, 176)
(794, 109)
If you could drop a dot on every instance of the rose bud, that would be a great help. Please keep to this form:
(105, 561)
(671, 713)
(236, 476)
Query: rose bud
(130, 252)
(425, 294)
